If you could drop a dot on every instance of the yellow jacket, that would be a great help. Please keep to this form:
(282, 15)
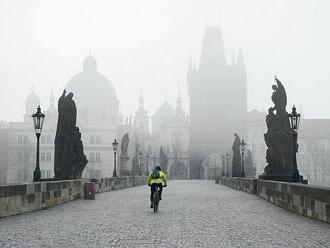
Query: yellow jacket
(161, 179)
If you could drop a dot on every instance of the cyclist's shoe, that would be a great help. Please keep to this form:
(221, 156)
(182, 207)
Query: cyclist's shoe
(152, 205)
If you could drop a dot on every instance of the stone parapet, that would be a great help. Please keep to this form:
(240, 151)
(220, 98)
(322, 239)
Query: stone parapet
(308, 200)
(22, 198)
(244, 184)
(114, 183)
(17, 199)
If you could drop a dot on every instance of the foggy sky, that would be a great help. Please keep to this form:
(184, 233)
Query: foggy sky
(148, 43)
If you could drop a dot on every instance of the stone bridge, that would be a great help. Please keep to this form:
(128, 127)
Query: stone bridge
(193, 213)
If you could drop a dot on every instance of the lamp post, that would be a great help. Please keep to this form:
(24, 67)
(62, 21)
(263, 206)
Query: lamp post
(38, 121)
(243, 145)
(147, 163)
(115, 148)
(294, 118)
(227, 155)
(154, 161)
(140, 163)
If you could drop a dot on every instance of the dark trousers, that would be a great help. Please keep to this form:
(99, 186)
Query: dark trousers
(153, 187)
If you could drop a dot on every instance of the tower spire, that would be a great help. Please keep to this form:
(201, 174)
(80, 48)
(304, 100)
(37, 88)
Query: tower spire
(141, 101)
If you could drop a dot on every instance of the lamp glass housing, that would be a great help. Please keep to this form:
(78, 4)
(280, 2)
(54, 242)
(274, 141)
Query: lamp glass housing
(115, 145)
(38, 121)
(243, 145)
(294, 119)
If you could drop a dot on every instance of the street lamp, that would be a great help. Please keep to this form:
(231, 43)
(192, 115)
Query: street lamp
(154, 161)
(227, 155)
(115, 148)
(140, 163)
(38, 121)
(147, 163)
(294, 119)
(243, 145)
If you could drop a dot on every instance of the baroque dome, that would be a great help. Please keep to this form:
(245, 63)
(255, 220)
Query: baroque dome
(94, 94)
(90, 83)
(32, 99)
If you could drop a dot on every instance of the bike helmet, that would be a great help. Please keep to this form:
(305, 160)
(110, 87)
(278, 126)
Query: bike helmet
(158, 168)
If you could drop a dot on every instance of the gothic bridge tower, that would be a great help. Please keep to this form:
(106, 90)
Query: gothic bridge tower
(218, 100)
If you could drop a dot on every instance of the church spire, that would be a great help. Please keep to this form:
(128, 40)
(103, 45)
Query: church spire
(141, 101)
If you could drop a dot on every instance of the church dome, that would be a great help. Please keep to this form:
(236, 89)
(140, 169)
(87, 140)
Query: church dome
(90, 83)
(94, 94)
(32, 99)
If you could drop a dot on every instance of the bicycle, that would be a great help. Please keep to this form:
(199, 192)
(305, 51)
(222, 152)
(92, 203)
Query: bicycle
(155, 198)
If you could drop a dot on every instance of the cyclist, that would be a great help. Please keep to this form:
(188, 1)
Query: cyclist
(156, 178)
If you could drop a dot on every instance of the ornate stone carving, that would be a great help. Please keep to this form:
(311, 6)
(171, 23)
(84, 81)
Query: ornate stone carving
(279, 140)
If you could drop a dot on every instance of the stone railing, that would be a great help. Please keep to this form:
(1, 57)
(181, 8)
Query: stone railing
(308, 200)
(114, 183)
(244, 184)
(22, 198)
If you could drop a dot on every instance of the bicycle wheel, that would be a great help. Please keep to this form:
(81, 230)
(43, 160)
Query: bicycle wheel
(156, 200)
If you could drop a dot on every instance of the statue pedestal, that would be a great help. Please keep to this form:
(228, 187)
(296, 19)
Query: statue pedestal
(283, 178)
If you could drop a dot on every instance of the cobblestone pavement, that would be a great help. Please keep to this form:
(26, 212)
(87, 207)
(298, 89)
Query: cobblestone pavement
(192, 214)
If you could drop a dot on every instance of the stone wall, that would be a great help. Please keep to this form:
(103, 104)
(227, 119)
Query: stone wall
(308, 200)
(21, 198)
(112, 183)
(243, 184)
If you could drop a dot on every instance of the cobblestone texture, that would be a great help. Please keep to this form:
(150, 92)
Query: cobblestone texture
(192, 214)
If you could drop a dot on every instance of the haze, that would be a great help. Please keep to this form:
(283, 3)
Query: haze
(148, 44)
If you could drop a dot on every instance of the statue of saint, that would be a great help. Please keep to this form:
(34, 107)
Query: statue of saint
(124, 145)
(69, 159)
(270, 119)
(236, 169)
(279, 97)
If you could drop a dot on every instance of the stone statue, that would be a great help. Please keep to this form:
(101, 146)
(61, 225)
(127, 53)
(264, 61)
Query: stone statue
(137, 165)
(163, 159)
(124, 145)
(236, 170)
(279, 140)
(270, 119)
(250, 170)
(279, 97)
(124, 158)
(69, 159)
